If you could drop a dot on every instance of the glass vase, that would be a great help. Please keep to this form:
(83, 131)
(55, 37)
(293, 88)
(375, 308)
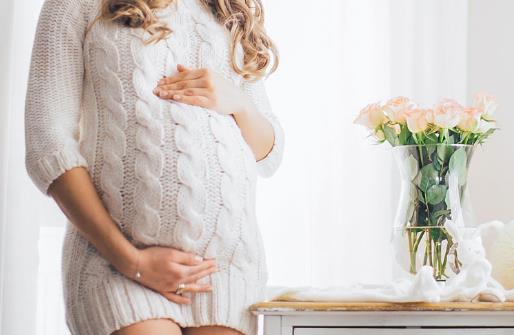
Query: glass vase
(433, 194)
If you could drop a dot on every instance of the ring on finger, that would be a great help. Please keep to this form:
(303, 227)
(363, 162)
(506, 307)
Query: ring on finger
(180, 289)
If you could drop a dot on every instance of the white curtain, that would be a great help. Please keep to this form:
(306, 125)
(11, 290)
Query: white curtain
(326, 214)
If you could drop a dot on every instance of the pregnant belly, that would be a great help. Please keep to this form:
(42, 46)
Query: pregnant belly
(205, 191)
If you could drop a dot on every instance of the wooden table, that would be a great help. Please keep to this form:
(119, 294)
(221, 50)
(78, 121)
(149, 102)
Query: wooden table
(330, 318)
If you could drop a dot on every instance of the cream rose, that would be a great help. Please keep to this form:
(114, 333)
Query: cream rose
(417, 120)
(446, 115)
(470, 119)
(396, 109)
(487, 104)
(371, 116)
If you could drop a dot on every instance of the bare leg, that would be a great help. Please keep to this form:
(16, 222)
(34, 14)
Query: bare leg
(210, 330)
(151, 327)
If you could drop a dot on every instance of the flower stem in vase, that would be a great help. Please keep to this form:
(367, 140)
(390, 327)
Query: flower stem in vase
(412, 252)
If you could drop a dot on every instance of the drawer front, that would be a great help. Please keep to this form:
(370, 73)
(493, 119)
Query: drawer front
(401, 331)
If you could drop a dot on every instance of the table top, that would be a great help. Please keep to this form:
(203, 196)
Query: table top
(310, 306)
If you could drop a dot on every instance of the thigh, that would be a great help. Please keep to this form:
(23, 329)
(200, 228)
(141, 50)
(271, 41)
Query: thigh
(210, 330)
(151, 327)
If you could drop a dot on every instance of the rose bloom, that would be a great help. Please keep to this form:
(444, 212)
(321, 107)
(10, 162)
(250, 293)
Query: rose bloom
(371, 116)
(487, 104)
(470, 119)
(396, 109)
(446, 115)
(417, 120)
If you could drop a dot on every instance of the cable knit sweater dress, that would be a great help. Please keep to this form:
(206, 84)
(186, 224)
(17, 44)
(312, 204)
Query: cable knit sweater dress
(170, 174)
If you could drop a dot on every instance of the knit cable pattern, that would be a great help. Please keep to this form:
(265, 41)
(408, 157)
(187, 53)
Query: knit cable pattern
(149, 138)
(116, 122)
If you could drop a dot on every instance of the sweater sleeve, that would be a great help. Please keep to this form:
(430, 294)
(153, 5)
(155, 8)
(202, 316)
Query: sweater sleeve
(54, 93)
(267, 166)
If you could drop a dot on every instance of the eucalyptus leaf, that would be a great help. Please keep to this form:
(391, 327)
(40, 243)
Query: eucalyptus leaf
(430, 150)
(431, 138)
(391, 136)
(435, 160)
(436, 194)
(458, 163)
(443, 153)
(429, 177)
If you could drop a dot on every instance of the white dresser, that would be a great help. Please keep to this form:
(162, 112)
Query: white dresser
(315, 318)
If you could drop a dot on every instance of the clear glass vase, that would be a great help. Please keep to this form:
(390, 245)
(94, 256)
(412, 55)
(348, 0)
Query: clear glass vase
(433, 194)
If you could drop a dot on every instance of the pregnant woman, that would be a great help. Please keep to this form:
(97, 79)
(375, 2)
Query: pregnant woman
(148, 123)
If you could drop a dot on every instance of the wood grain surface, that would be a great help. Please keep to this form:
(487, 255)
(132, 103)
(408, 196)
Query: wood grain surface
(379, 306)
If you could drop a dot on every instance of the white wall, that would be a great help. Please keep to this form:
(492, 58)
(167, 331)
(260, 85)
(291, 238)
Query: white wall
(491, 69)
(6, 10)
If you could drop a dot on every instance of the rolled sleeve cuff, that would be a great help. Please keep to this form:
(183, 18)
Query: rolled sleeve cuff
(267, 166)
(46, 169)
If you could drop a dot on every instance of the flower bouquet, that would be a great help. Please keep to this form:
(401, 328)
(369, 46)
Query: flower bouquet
(433, 148)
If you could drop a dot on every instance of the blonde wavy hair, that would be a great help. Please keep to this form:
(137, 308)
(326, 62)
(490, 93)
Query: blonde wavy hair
(244, 19)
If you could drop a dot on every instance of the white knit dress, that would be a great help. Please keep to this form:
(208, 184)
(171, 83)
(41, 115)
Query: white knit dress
(170, 174)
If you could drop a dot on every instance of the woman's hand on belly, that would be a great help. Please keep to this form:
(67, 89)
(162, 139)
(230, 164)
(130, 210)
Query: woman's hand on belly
(164, 269)
(203, 88)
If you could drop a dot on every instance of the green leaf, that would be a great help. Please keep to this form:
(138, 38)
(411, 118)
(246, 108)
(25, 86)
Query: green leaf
(404, 134)
(421, 196)
(436, 194)
(431, 138)
(391, 136)
(443, 153)
(435, 159)
(458, 163)
(429, 177)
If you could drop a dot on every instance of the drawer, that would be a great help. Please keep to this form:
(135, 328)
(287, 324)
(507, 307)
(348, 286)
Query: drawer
(401, 331)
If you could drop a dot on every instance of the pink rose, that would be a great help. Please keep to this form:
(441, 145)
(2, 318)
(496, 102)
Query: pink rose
(372, 116)
(396, 109)
(417, 120)
(487, 104)
(446, 115)
(470, 119)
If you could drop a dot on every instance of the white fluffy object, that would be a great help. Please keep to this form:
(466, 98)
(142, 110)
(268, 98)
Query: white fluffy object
(499, 245)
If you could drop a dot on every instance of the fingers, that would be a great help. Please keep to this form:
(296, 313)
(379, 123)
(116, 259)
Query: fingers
(196, 100)
(195, 288)
(193, 278)
(185, 74)
(178, 94)
(179, 299)
(190, 287)
(194, 83)
(186, 258)
(191, 270)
